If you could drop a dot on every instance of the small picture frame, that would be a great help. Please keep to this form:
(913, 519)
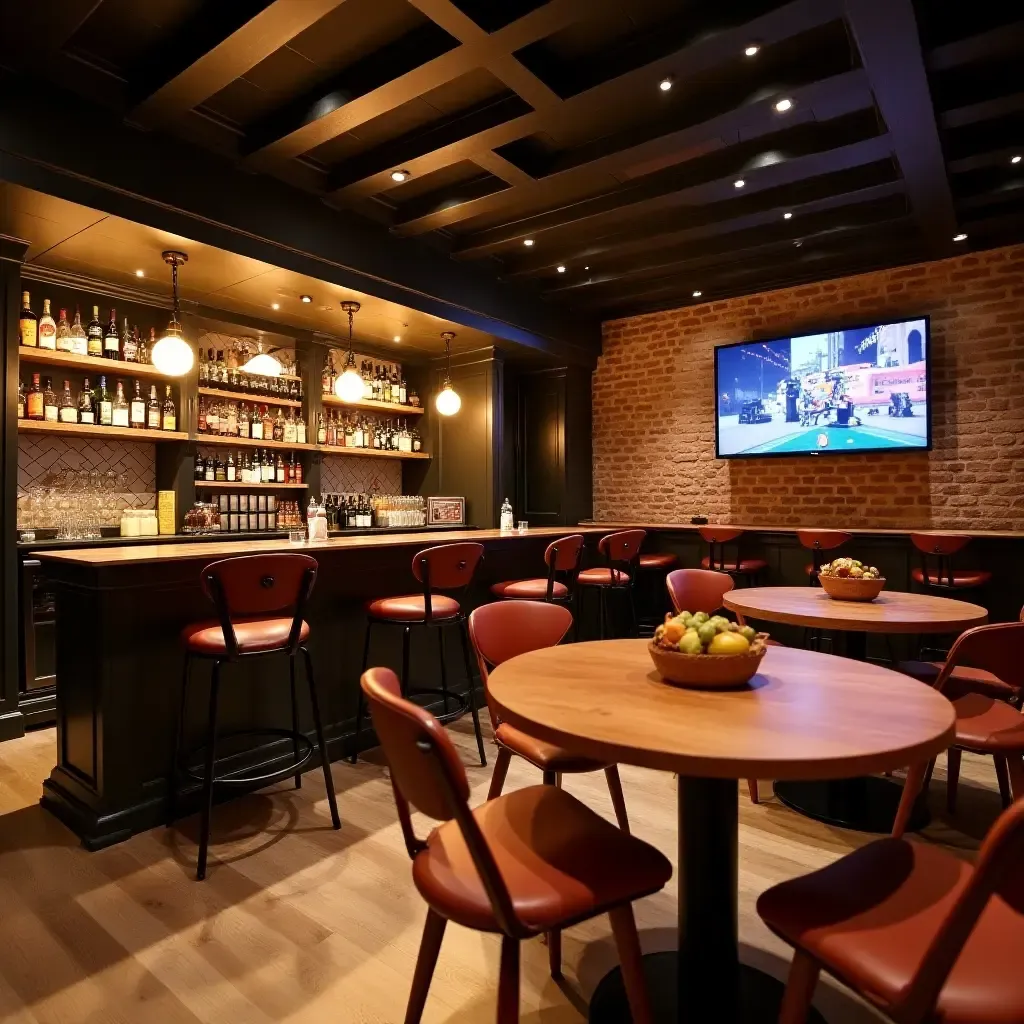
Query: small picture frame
(446, 511)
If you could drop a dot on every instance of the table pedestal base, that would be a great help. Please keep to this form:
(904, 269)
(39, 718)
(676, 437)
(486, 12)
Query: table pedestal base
(867, 804)
(760, 996)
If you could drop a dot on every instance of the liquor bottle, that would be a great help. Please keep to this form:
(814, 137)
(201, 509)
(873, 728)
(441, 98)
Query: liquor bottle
(50, 411)
(358, 441)
(300, 430)
(47, 328)
(169, 415)
(220, 472)
(403, 391)
(268, 424)
(86, 406)
(267, 476)
(279, 426)
(211, 468)
(111, 340)
(68, 411)
(298, 471)
(230, 473)
(106, 406)
(290, 435)
(326, 378)
(94, 334)
(200, 473)
(417, 441)
(387, 387)
(289, 469)
(129, 343)
(34, 400)
(204, 369)
(279, 469)
(119, 407)
(79, 339)
(231, 422)
(293, 390)
(213, 418)
(137, 414)
(21, 400)
(29, 323)
(244, 421)
(153, 410)
(201, 425)
(222, 369)
(63, 342)
(145, 350)
(321, 429)
(332, 430)
(256, 424)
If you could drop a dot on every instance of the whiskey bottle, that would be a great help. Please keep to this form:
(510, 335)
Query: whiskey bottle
(106, 406)
(417, 441)
(331, 437)
(244, 421)
(326, 378)
(213, 418)
(211, 468)
(21, 400)
(94, 334)
(300, 430)
(137, 413)
(290, 435)
(111, 341)
(403, 391)
(200, 473)
(119, 407)
(204, 369)
(34, 400)
(68, 411)
(256, 424)
(153, 410)
(129, 344)
(231, 423)
(50, 410)
(79, 339)
(29, 323)
(268, 467)
(144, 350)
(201, 424)
(298, 471)
(169, 419)
(321, 429)
(86, 407)
(279, 426)
(268, 424)
(63, 342)
(230, 472)
(47, 328)
(279, 469)
(220, 472)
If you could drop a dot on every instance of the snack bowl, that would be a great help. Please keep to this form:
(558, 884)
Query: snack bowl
(708, 671)
(850, 588)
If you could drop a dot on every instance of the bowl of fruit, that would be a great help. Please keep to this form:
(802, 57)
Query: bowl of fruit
(706, 651)
(849, 579)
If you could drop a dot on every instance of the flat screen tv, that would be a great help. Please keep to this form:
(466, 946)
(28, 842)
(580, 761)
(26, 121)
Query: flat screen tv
(861, 389)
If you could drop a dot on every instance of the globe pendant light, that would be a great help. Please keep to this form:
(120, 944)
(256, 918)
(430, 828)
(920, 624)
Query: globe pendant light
(172, 354)
(349, 386)
(262, 363)
(448, 402)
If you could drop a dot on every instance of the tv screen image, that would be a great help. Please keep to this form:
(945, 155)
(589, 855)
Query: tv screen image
(864, 389)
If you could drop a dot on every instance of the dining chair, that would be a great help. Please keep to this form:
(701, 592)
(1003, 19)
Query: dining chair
(984, 724)
(505, 630)
(618, 575)
(918, 932)
(817, 541)
(528, 863)
(741, 569)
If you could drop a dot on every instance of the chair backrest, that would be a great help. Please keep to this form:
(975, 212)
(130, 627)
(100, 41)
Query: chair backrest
(623, 546)
(822, 540)
(427, 773)
(251, 585)
(937, 550)
(697, 590)
(717, 537)
(995, 648)
(563, 555)
(447, 566)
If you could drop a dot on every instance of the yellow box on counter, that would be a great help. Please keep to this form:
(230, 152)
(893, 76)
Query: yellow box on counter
(166, 513)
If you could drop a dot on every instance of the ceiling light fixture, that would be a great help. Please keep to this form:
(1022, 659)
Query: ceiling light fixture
(172, 355)
(752, 50)
(787, 216)
(399, 176)
(142, 273)
(962, 237)
(448, 402)
(262, 363)
(349, 385)
(738, 183)
(1014, 159)
(561, 268)
(783, 105)
(275, 305)
(697, 294)
(665, 84)
(586, 268)
(306, 298)
(527, 241)
(397, 337)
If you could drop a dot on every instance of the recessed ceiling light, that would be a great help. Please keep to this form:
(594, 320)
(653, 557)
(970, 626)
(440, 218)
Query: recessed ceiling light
(787, 216)
(397, 337)
(527, 241)
(140, 273)
(399, 176)
(799, 242)
(783, 105)
(275, 305)
(586, 268)
(752, 50)
(306, 298)
(697, 294)
(962, 237)
(738, 183)
(1014, 159)
(561, 268)
(665, 84)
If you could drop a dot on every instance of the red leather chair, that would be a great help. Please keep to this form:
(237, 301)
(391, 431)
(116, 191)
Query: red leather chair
(562, 557)
(936, 570)
(817, 541)
(259, 600)
(620, 552)
(984, 724)
(649, 566)
(717, 537)
(919, 933)
(531, 862)
(503, 631)
(444, 567)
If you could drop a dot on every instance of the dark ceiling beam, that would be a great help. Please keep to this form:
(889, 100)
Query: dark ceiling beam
(988, 110)
(997, 41)
(325, 115)
(887, 36)
(823, 100)
(221, 43)
(35, 31)
(712, 50)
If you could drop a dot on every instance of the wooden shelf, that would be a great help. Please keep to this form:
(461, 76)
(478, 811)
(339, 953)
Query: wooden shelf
(239, 396)
(236, 485)
(91, 430)
(370, 406)
(248, 442)
(94, 366)
(373, 453)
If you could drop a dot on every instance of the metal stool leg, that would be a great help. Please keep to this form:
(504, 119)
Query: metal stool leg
(601, 611)
(406, 633)
(211, 752)
(321, 742)
(360, 700)
(634, 625)
(179, 745)
(464, 635)
(295, 718)
(444, 671)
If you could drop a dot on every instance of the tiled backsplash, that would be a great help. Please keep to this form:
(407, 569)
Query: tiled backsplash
(359, 474)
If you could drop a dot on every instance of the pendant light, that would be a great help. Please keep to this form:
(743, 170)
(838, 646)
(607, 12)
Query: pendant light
(349, 386)
(172, 354)
(448, 402)
(262, 363)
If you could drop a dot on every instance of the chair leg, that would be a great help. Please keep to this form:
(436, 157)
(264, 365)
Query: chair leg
(471, 692)
(295, 718)
(500, 771)
(611, 773)
(1015, 767)
(430, 946)
(325, 761)
(1003, 777)
(634, 627)
(360, 699)
(928, 777)
(444, 670)
(911, 789)
(211, 753)
(952, 777)
(508, 982)
(549, 778)
(179, 745)
(555, 954)
(803, 978)
(631, 963)
(406, 639)
(752, 790)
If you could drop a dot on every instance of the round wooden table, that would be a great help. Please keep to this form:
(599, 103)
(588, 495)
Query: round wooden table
(868, 803)
(803, 716)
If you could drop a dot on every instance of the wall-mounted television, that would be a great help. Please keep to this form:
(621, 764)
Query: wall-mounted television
(856, 390)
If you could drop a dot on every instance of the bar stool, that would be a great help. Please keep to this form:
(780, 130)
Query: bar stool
(260, 601)
(620, 551)
(817, 541)
(562, 557)
(445, 567)
(650, 566)
(745, 569)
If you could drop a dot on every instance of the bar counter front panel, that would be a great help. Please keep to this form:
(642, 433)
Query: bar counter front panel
(120, 611)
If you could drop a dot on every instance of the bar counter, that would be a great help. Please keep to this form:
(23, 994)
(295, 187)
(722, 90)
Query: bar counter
(120, 610)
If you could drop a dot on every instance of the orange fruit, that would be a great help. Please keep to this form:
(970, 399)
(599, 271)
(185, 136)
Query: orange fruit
(729, 643)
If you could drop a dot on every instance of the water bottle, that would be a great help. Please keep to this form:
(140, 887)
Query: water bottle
(507, 523)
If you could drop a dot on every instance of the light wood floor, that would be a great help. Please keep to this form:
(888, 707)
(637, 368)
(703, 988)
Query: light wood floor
(299, 923)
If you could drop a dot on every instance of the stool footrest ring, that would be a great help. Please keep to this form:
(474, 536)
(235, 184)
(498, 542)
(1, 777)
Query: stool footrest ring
(242, 776)
(445, 717)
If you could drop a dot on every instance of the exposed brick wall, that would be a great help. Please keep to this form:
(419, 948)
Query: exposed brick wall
(654, 434)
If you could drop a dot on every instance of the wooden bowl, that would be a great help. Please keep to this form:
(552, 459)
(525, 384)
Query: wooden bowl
(708, 671)
(848, 588)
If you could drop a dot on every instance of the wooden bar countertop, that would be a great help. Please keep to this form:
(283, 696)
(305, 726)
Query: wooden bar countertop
(149, 554)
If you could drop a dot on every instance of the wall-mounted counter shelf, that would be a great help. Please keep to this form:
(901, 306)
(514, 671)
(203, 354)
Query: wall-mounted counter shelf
(94, 365)
(237, 485)
(373, 453)
(90, 430)
(244, 396)
(368, 405)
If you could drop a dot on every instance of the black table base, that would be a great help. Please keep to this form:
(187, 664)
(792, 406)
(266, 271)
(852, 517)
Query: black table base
(760, 996)
(867, 803)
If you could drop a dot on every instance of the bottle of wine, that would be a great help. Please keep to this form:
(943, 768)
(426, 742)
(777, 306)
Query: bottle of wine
(144, 350)
(119, 408)
(256, 426)
(137, 413)
(153, 410)
(300, 430)
(230, 475)
(170, 414)
(200, 473)
(34, 400)
(106, 406)
(28, 323)
(47, 328)
(94, 334)
(79, 339)
(67, 410)
(244, 421)
(279, 426)
(279, 469)
(63, 340)
(111, 341)
(129, 344)
(50, 408)
(86, 409)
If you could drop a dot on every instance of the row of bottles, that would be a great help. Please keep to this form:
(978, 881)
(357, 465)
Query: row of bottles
(43, 332)
(343, 511)
(379, 383)
(350, 431)
(217, 372)
(242, 513)
(255, 422)
(97, 406)
(246, 468)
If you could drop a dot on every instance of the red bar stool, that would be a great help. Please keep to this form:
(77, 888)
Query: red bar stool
(746, 569)
(650, 566)
(445, 567)
(506, 630)
(562, 557)
(260, 601)
(817, 541)
(936, 570)
(620, 551)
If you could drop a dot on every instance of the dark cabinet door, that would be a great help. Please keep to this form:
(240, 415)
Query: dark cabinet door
(542, 479)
